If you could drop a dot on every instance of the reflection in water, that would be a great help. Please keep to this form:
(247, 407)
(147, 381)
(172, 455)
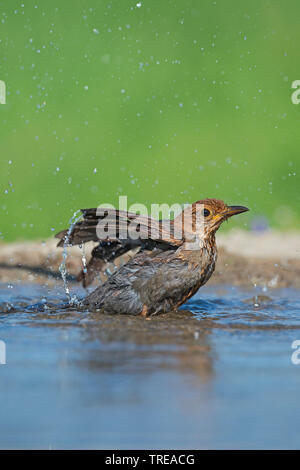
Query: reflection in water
(210, 376)
(170, 341)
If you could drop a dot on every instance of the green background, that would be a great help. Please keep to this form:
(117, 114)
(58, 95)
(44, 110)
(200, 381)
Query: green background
(170, 102)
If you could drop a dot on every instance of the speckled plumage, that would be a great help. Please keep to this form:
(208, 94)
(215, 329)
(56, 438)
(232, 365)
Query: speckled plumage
(166, 272)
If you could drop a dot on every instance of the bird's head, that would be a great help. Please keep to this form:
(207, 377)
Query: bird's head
(204, 217)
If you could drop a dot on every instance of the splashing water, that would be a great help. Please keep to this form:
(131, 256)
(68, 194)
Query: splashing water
(62, 268)
(83, 260)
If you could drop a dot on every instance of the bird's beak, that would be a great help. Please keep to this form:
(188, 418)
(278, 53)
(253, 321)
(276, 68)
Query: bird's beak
(234, 210)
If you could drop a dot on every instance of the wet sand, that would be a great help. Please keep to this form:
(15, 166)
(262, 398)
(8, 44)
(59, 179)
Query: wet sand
(269, 259)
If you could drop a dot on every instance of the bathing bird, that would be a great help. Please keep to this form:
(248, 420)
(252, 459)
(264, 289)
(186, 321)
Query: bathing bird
(172, 258)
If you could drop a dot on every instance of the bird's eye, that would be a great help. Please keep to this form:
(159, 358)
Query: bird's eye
(206, 212)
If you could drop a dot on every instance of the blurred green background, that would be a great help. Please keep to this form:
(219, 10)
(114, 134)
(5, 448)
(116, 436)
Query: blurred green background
(162, 101)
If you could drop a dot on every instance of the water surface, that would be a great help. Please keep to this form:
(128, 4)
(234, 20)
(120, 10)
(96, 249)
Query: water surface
(217, 374)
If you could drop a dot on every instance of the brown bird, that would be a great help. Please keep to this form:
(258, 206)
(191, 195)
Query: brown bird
(174, 260)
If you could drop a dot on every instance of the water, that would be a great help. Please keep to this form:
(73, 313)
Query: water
(63, 270)
(217, 374)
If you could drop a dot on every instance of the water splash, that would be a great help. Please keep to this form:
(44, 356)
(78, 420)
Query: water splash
(83, 260)
(108, 271)
(62, 268)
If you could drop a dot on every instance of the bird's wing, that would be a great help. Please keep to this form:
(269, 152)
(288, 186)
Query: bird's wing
(111, 225)
(118, 232)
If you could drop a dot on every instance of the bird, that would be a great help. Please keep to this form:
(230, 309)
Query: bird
(172, 258)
